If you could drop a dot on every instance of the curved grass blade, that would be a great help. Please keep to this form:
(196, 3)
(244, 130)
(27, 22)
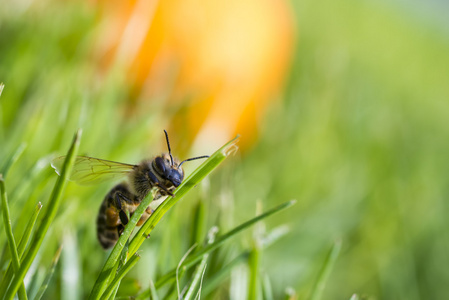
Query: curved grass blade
(11, 242)
(123, 271)
(47, 218)
(195, 257)
(198, 294)
(202, 171)
(22, 244)
(180, 271)
(201, 268)
(47, 279)
(320, 283)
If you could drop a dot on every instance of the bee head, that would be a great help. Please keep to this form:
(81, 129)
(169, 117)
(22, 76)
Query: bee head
(170, 169)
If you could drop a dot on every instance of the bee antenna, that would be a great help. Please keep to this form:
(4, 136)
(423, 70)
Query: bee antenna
(193, 158)
(168, 145)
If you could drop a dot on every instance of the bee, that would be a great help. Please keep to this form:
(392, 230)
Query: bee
(160, 175)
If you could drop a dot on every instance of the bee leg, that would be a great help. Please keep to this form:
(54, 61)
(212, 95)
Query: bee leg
(158, 184)
(123, 217)
(166, 190)
(120, 229)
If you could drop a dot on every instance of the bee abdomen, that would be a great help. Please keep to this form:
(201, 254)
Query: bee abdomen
(107, 235)
(109, 226)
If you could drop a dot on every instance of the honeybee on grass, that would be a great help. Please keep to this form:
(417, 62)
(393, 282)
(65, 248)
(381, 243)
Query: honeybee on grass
(160, 175)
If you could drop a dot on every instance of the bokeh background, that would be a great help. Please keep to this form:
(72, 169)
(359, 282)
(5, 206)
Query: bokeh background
(341, 105)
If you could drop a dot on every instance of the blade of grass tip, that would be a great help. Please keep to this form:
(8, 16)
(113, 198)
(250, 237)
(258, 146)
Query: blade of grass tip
(11, 242)
(220, 240)
(329, 262)
(22, 244)
(202, 171)
(47, 218)
(354, 297)
(201, 268)
(123, 271)
(13, 158)
(112, 262)
(49, 275)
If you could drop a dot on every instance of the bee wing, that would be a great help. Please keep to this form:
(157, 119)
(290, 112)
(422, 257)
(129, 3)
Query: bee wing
(89, 170)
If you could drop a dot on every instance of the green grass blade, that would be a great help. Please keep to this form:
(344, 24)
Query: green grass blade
(214, 281)
(22, 244)
(153, 293)
(49, 275)
(14, 157)
(47, 218)
(254, 263)
(180, 271)
(112, 262)
(123, 271)
(201, 268)
(119, 264)
(197, 278)
(195, 257)
(29, 228)
(11, 241)
(198, 221)
(320, 283)
(202, 171)
(267, 289)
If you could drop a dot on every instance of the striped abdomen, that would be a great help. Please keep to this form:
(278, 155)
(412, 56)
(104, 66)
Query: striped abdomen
(109, 224)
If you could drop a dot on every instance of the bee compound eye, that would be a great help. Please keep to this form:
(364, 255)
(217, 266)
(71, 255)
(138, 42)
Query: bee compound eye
(160, 165)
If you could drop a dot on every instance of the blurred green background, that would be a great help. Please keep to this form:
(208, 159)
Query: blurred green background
(359, 138)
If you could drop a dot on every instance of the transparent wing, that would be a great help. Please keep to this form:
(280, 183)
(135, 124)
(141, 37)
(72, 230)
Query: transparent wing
(89, 170)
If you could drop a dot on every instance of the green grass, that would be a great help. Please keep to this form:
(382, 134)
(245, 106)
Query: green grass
(359, 138)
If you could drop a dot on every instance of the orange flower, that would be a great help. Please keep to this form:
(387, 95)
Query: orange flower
(221, 62)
